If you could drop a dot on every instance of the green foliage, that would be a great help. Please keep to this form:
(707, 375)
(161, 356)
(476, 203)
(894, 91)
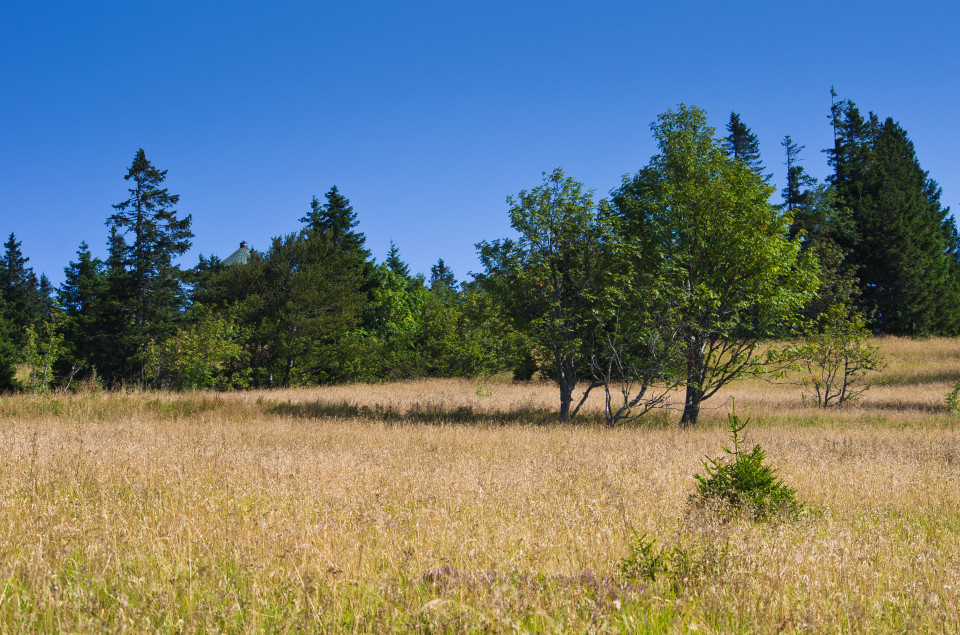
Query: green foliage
(44, 349)
(904, 244)
(415, 331)
(84, 283)
(395, 263)
(8, 352)
(315, 310)
(741, 144)
(743, 481)
(639, 357)
(821, 225)
(953, 399)
(483, 390)
(395, 325)
(207, 353)
(796, 192)
(144, 292)
(336, 220)
(717, 251)
(297, 303)
(551, 278)
(645, 560)
(677, 568)
(442, 276)
(27, 297)
(835, 357)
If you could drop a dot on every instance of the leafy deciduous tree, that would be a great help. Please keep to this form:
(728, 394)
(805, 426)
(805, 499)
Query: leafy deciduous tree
(716, 246)
(205, 353)
(638, 359)
(44, 349)
(836, 357)
(551, 278)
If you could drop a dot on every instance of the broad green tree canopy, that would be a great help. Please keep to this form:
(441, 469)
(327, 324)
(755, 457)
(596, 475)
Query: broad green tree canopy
(711, 240)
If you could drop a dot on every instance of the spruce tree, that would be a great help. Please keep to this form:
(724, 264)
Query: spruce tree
(337, 220)
(442, 276)
(146, 236)
(8, 351)
(904, 243)
(741, 144)
(79, 296)
(27, 297)
(796, 194)
(395, 263)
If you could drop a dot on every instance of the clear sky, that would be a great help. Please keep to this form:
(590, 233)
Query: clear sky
(425, 114)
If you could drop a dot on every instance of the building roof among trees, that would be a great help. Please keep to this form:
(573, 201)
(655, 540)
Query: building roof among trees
(240, 256)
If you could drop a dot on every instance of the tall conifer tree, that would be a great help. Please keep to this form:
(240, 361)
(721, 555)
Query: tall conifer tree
(336, 220)
(146, 236)
(8, 351)
(796, 193)
(442, 276)
(395, 263)
(79, 296)
(741, 144)
(904, 241)
(27, 297)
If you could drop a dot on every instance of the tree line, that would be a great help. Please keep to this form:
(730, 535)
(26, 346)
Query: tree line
(671, 283)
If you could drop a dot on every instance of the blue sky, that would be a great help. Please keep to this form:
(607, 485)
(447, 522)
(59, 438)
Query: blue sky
(425, 114)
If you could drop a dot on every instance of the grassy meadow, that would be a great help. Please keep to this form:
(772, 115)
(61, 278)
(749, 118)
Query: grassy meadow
(453, 505)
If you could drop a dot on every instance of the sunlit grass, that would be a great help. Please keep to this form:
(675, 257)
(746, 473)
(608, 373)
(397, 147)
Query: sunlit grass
(461, 505)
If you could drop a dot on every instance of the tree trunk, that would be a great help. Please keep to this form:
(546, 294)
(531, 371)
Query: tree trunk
(694, 394)
(566, 398)
(73, 371)
(691, 406)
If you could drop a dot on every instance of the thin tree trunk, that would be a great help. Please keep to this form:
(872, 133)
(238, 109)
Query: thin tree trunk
(73, 371)
(46, 373)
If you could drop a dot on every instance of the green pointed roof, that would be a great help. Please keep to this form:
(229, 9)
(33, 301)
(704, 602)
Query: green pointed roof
(239, 257)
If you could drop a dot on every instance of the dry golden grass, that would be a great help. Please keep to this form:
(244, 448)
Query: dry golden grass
(458, 505)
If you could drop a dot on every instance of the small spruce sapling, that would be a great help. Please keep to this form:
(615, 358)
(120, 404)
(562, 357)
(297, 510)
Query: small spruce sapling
(745, 482)
(645, 560)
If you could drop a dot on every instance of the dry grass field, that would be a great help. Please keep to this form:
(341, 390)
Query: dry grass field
(448, 505)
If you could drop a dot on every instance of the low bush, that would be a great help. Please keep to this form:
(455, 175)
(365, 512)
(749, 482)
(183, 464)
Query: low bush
(835, 358)
(953, 399)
